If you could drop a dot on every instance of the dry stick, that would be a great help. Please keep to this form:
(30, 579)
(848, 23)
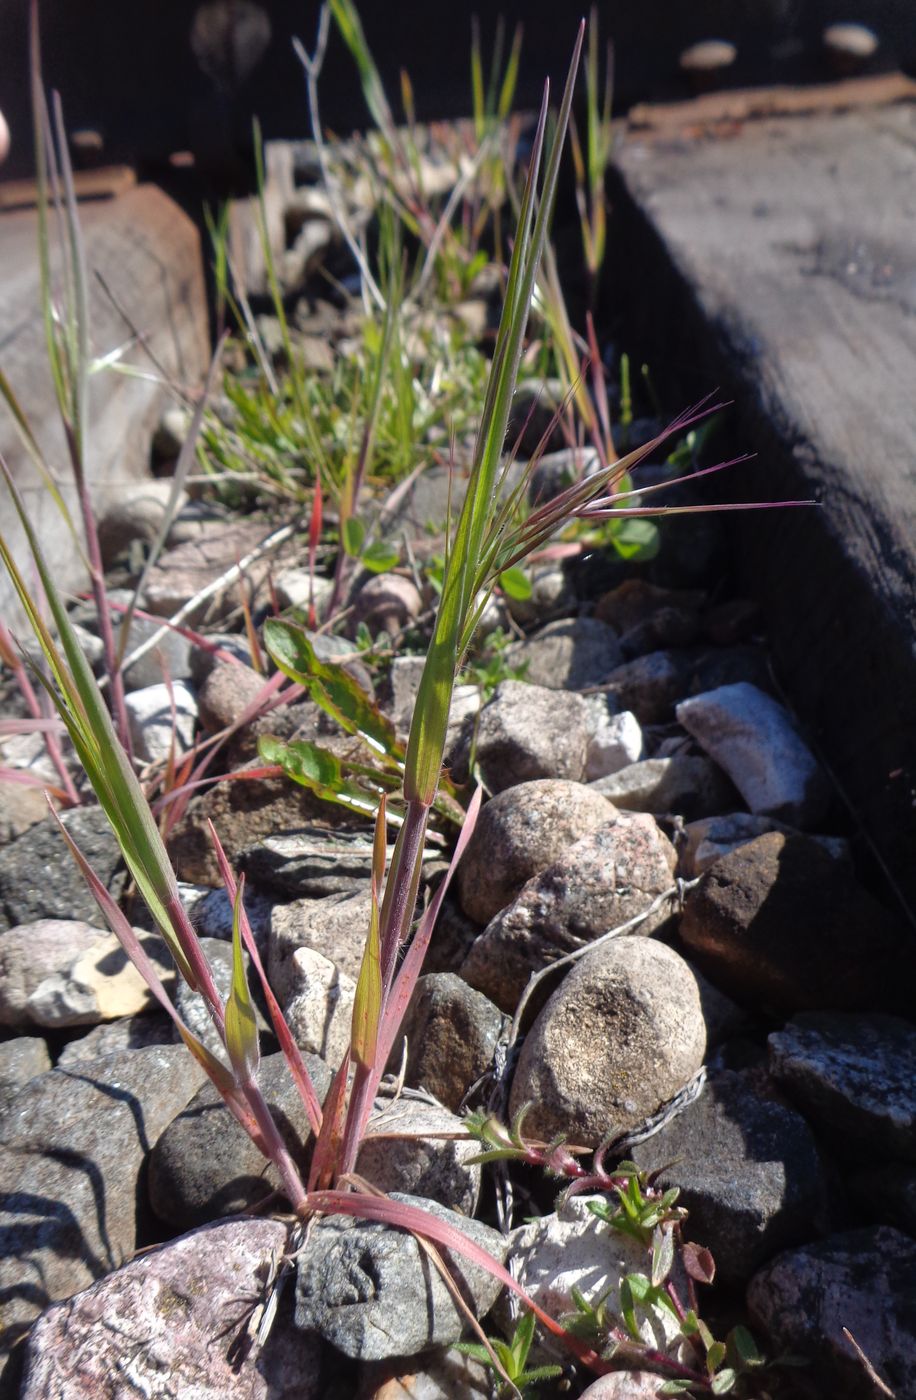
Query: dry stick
(442, 227)
(271, 542)
(312, 68)
(872, 1373)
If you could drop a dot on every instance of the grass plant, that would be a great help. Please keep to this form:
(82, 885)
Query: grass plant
(397, 785)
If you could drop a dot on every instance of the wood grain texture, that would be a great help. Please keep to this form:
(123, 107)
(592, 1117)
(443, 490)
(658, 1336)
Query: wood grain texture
(780, 261)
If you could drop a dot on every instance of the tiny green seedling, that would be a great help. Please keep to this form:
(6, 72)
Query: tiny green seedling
(518, 1378)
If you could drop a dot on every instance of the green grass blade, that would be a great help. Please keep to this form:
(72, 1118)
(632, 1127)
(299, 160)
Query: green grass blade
(241, 1022)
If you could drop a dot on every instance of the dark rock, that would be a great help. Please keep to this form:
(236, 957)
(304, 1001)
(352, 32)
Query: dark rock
(243, 813)
(452, 938)
(73, 1143)
(781, 924)
(708, 839)
(313, 862)
(885, 1193)
(205, 1165)
(169, 1324)
(637, 601)
(748, 1171)
(603, 880)
(373, 1293)
(568, 655)
(38, 879)
(854, 1077)
(863, 1281)
(651, 685)
(622, 1035)
(520, 832)
(452, 1032)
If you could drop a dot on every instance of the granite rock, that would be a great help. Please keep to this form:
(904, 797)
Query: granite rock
(526, 732)
(519, 832)
(402, 1151)
(604, 879)
(452, 1032)
(690, 787)
(336, 927)
(623, 1034)
(568, 655)
(167, 1325)
(21, 1059)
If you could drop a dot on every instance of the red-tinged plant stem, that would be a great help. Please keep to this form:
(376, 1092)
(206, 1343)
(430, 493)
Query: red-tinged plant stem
(200, 968)
(27, 690)
(275, 1146)
(396, 915)
(441, 1232)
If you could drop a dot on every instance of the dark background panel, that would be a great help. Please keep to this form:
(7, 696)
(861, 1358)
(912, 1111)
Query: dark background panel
(126, 67)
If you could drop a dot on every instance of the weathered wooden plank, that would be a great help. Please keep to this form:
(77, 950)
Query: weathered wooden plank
(148, 253)
(780, 262)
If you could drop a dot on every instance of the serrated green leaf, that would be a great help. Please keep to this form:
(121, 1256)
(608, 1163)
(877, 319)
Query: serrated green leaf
(331, 687)
(353, 536)
(538, 1374)
(241, 1022)
(378, 557)
(715, 1355)
(515, 583)
(475, 1350)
